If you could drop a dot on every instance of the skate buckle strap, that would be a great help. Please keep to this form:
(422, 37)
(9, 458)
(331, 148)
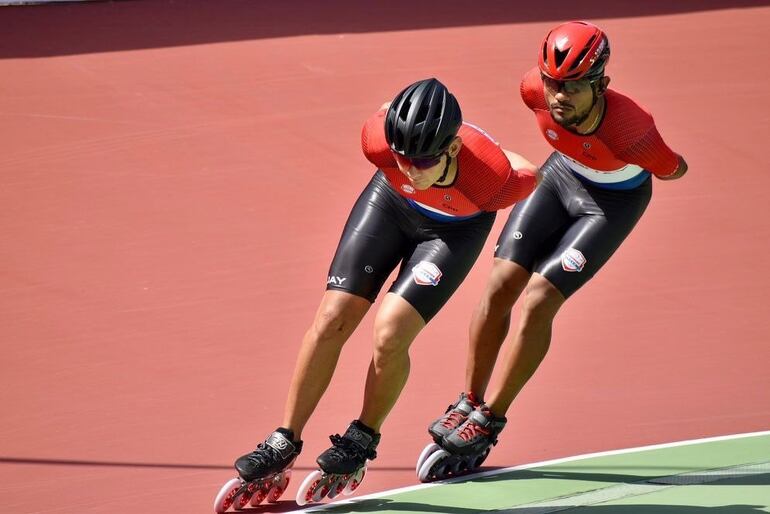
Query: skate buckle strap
(359, 437)
(464, 404)
(479, 418)
(281, 444)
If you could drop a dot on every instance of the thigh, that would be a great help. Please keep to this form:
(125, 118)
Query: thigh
(591, 240)
(534, 224)
(372, 243)
(437, 266)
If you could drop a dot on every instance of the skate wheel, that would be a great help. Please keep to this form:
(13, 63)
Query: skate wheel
(278, 489)
(307, 488)
(426, 452)
(260, 494)
(336, 487)
(354, 481)
(224, 498)
(456, 466)
(322, 489)
(241, 500)
(432, 468)
(480, 459)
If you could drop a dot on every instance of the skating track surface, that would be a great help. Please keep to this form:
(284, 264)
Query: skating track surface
(174, 177)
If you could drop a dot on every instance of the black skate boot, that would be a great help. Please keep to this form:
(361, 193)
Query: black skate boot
(350, 452)
(264, 474)
(454, 416)
(343, 466)
(476, 435)
(272, 456)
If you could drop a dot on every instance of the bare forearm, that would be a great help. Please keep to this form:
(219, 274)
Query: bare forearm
(518, 162)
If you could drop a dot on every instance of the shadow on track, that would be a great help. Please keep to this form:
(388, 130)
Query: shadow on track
(67, 29)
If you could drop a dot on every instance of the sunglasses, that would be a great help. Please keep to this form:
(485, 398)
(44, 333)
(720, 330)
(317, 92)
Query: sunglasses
(569, 87)
(420, 163)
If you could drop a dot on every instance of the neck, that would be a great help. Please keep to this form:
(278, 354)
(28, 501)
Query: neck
(450, 172)
(594, 117)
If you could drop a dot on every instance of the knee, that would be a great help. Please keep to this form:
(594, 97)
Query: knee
(331, 322)
(389, 345)
(543, 300)
(505, 285)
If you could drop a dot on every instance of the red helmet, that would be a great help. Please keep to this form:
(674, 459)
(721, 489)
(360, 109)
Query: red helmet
(574, 50)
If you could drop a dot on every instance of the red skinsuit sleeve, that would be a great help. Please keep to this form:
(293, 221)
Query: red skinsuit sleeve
(651, 153)
(531, 90)
(519, 185)
(373, 142)
(629, 131)
(486, 176)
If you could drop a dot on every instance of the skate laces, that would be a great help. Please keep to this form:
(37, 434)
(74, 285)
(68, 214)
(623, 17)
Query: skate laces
(456, 415)
(453, 419)
(470, 430)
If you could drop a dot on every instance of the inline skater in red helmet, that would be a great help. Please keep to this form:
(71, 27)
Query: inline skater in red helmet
(592, 190)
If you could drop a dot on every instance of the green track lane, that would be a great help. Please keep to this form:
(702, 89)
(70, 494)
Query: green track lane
(637, 482)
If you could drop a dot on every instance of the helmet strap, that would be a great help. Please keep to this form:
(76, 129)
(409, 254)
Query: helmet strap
(446, 169)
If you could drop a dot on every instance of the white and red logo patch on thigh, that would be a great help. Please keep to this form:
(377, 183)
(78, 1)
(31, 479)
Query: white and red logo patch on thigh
(426, 273)
(573, 260)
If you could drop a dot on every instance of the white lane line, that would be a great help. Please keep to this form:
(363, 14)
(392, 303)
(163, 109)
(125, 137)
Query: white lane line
(624, 491)
(323, 508)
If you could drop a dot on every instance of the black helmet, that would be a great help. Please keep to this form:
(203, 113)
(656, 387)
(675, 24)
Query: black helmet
(422, 120)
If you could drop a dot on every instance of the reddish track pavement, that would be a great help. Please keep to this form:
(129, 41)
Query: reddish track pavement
(170, 201)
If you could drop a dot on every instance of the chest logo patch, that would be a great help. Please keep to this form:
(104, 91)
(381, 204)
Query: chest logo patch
(407, 188)
(573, 260)
(426, 274)
(552, 134)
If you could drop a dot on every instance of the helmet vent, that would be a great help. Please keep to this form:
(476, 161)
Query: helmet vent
(423, 112)
(404, 112)
(422, 119)
(579, 58)
(560, 56)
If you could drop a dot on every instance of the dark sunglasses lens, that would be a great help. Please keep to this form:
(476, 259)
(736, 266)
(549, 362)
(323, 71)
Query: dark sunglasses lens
(570, 87)
(426, 163)
(550, 84)
(402, 161)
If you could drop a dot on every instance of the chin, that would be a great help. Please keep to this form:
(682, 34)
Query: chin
(564, 121)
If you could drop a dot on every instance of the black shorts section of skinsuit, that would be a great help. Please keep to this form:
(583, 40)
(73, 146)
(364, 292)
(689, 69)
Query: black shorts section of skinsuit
(383, 231)
(567, 229)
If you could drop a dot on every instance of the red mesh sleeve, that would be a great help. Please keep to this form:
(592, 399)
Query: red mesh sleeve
(532, 90)
(651, 153)
(519, 185)
(631, 135)
(373, 142)
(487, 178)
